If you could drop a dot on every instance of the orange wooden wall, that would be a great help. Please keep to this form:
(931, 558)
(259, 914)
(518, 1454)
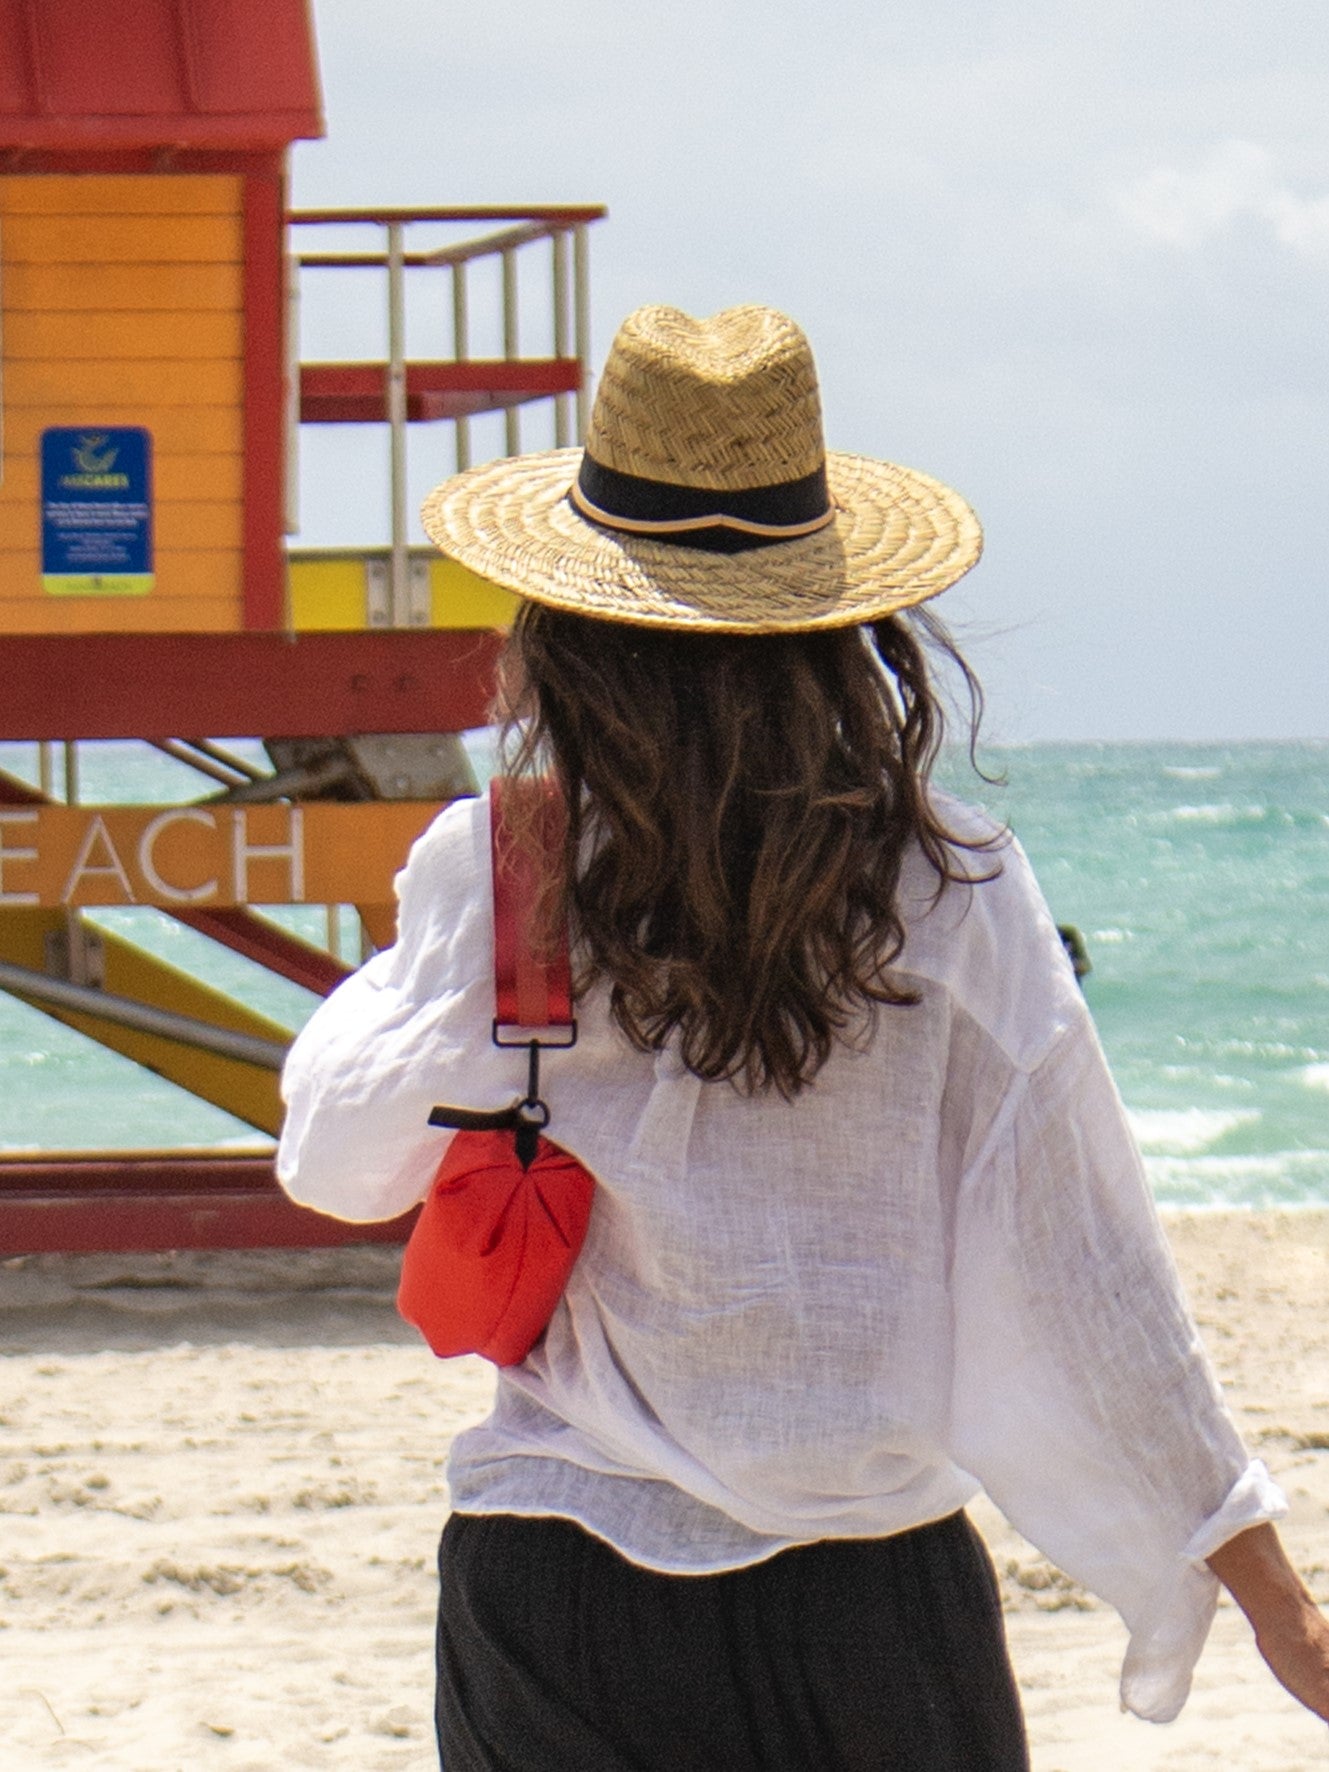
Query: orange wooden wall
(121, 303)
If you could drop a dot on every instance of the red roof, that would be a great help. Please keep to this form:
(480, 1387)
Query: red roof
(112, 74)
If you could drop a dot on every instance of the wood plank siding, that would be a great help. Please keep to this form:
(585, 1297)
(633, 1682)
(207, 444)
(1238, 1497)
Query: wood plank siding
(122, 303)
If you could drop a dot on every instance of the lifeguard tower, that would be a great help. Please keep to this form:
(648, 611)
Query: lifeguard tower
(151, 398)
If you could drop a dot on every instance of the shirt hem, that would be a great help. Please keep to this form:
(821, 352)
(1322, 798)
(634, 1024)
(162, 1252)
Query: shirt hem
(776, 1548)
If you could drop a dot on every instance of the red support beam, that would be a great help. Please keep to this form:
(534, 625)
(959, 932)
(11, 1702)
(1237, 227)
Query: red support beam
(244, 932)
(265, 402)
(14, 792)
(143, 1201)
(60, 686)
(158, 159)
(356, 393)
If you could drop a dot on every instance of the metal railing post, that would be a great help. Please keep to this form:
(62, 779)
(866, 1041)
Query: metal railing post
(291, 511)
(562, 404)
(511, 418)
(396, 594)
(399, 588)
(189, 1030)
(461, 350)
(581, 298)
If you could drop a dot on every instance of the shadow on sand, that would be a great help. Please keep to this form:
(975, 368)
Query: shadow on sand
(78, 1304)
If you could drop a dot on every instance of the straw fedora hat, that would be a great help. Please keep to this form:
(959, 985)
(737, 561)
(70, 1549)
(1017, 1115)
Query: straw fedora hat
(705, 497)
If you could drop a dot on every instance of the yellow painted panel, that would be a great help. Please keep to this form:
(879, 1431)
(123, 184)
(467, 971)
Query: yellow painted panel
(206, 856)
(460, 599)
(241, 1089)
(128, 615)
(193, 430)
(122, 239)
(327, 594)
(79, 193)
(120, 288)
(140, 383)
(154, 335)
(176, 478)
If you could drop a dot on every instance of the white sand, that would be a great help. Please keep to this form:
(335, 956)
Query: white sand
(222, 1485)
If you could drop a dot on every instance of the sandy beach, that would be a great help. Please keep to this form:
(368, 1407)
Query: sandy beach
(222, 1482)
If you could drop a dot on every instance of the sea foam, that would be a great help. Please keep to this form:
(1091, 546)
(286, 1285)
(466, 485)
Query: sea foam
(1278, 1178)
(1184, 1132)
(1220, 813)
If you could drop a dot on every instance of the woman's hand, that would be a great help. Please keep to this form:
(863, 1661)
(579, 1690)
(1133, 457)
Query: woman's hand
(1290, 1630)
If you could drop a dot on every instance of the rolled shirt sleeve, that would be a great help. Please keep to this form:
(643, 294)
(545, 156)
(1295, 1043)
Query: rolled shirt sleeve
(364, 1072)
(1083, 1401)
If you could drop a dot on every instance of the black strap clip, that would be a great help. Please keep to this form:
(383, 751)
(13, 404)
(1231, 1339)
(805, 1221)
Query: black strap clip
(526, 1119)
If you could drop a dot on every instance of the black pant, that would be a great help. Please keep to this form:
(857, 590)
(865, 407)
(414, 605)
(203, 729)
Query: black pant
(555, 1654)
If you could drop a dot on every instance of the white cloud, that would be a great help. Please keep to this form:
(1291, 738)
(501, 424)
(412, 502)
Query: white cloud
(1235, 182)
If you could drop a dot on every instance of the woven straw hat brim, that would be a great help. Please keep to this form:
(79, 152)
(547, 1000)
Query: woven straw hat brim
(898, 538)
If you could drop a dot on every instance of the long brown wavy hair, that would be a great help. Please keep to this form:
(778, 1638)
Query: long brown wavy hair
(739, 808)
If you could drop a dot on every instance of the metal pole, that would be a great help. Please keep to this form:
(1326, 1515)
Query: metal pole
(562, 405)
(511, 417)
(581, 298)
(399, 590)
(205, 765)
(84, 999)
(461, 350)
(219, 754)
(292, 504)
(71, 772)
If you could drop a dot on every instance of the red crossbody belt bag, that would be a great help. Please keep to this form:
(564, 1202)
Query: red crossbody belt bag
(506, 1215)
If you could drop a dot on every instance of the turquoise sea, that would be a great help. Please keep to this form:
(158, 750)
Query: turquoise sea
(1199, 875)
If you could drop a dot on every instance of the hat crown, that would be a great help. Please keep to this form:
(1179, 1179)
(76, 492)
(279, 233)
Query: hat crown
(727, 404)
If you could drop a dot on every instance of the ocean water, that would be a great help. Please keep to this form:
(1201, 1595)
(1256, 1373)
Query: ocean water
(1199, 875)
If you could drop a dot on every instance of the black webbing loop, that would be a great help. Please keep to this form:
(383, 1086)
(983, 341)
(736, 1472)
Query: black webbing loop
(525, 1119)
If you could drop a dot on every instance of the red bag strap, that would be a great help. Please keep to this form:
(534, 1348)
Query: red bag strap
(532, 988)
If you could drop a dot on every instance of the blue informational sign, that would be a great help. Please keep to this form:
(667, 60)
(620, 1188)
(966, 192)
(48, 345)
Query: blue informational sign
(96, 511)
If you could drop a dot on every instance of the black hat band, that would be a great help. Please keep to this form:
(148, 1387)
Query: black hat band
(702, 517)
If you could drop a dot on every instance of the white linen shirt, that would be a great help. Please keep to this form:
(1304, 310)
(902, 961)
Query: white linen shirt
(937, 1269)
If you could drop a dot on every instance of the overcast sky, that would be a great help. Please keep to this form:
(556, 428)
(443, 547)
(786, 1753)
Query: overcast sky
(1072, 259)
